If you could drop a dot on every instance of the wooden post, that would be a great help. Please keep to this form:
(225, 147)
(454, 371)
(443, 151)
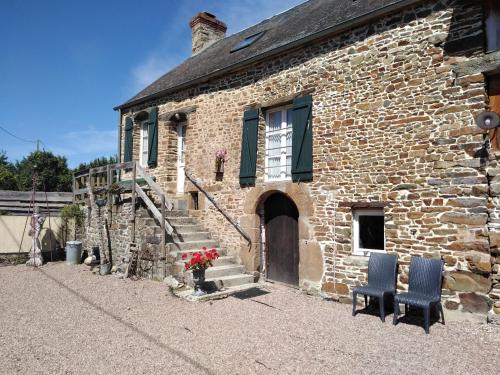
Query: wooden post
(108, 185)
(74, 188)
(134, 194)
(91, 182)
(163, 235)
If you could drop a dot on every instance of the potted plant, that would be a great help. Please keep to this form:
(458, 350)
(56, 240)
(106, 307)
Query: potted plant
(198, 263)
(72, 212)
(75, 213)
(220, 159)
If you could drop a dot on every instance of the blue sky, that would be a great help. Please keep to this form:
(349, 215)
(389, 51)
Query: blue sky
(66, 63)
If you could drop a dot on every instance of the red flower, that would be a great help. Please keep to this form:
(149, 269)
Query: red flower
(184, 256)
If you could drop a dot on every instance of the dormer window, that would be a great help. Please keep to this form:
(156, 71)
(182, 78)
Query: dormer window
(248, 41)
(492, 9)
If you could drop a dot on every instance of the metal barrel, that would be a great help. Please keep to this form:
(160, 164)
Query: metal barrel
(73, 252)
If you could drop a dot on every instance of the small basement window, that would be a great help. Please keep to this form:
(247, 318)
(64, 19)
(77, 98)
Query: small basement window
(248, 41)
(368, 231)
(492, 21)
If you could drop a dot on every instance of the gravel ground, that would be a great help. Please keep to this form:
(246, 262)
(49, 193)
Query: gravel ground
(63, 319)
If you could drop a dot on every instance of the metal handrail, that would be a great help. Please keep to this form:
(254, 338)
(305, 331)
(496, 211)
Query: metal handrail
(216, 205)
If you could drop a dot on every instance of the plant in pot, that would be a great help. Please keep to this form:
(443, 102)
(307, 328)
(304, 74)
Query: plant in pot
(72, 214)
(198, 263)
(220, 159)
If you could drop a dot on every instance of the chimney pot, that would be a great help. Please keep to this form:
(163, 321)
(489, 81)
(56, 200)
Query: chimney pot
(206, 29)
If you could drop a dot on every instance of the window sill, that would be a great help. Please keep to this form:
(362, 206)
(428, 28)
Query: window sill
(366, 252)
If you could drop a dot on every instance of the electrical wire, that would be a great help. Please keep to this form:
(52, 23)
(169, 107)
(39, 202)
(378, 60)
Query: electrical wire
(15, 136)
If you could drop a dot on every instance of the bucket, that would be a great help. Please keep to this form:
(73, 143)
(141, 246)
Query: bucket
(73, 252)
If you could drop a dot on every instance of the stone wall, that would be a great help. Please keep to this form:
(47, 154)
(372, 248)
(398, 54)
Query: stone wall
(392, 123)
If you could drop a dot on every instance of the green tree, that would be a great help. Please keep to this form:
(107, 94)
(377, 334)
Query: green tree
(98, 162)
(7, 173)
(52, 172)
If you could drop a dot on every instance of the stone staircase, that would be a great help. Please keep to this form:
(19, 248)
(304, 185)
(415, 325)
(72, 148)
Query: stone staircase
(190, 236)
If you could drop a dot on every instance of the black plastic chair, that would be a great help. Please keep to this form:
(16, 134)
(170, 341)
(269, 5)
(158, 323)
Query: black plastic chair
(424, 289)
(382, 270)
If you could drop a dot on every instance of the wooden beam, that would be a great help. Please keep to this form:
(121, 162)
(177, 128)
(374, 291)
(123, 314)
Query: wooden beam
(154, 210)
(134, 194)
(154, 186)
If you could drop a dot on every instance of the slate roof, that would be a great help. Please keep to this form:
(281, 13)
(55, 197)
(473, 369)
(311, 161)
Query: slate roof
(299, 25)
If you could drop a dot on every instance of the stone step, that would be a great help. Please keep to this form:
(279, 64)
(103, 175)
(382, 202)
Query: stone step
(187, 293)
(220, 271)
(191, 236)
(231, 281)
(188, 228)
(176, 213)
(195, 245)
(176, 221)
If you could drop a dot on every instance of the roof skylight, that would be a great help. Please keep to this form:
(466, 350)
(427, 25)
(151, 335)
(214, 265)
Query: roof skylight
(248, 41)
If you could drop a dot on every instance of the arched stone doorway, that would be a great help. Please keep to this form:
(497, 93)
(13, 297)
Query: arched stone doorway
(281, 239)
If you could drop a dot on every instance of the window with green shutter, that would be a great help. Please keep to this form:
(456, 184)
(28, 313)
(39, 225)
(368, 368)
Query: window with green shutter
(302, 167)
(128, 146)
(153, 138)
(248, 160)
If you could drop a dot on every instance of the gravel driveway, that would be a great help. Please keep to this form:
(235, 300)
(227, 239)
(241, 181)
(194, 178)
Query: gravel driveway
(63, 319)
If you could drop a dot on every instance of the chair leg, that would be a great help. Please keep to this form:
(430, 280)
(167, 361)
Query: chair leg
(396, 312)
(440, 307)
(354, 302)
(427, 313)
(381, 307)
(366, 300)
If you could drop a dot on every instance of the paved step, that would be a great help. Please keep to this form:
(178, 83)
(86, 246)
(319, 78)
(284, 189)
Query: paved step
(191, 236)
(176, 214)
(175, 221)
(187, 293)
(188, 228)
(218, 271)
(230, 281)
(196, 245)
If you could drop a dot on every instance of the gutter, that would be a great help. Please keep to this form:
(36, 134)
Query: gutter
(336, 29)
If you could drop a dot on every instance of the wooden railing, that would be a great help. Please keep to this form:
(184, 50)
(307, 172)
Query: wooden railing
(216, 205)
(103, 177)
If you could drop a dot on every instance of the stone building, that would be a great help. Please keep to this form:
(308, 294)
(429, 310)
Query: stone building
(354, 124)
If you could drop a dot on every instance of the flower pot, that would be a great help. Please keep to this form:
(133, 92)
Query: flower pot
(199, 280)
(105, 269)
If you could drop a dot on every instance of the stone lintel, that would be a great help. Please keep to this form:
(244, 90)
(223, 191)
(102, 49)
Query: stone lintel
(167, 116)
(281, 100)
(357, 205)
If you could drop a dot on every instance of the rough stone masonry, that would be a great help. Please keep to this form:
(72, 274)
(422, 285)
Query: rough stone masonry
(394, 104)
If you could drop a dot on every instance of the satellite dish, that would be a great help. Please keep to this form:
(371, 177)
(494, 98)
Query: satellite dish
(488, 120)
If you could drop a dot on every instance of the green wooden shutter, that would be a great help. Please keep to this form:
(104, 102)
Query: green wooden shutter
(128, 150)
(248, 160)
(153, 138)
(302, 139)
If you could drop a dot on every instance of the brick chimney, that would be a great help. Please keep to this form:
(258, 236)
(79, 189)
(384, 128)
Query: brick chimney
(206, 29)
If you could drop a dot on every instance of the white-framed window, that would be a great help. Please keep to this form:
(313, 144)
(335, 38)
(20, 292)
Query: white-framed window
(278, 159)
(368, 234)
(143, 160)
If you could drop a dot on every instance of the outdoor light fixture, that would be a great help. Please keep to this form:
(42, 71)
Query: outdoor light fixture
(487, 120)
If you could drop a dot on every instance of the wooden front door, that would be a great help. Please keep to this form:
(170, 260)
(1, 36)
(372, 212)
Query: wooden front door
(282, 239)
